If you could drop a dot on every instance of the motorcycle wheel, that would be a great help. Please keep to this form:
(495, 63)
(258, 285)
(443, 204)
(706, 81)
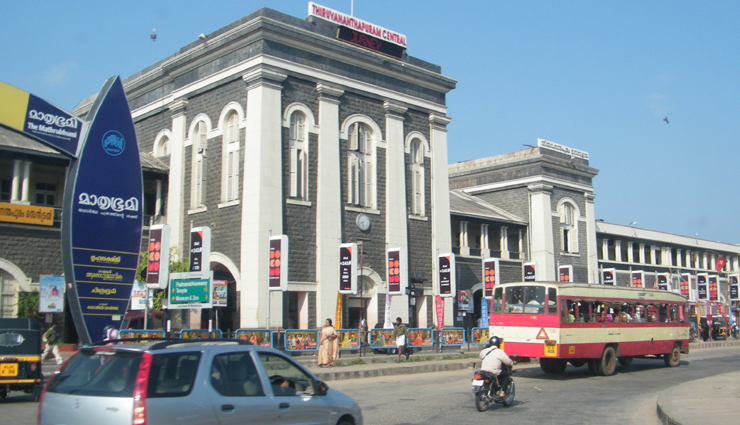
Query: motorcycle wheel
(482, 401)
(509, 399)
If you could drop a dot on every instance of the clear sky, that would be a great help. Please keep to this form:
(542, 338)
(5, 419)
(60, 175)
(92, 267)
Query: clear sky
(598, 76)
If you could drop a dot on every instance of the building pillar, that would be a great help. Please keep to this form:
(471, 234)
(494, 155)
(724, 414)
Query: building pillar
(605, 249)
(175, 195)
(441, 233)
(630, 252)
(541, 231)
(504, 240)
(25, 182)
(485, 249)
(464, 245)
(15, 186)
(328, 201)
(263, 191)
(158, 199)
(592, 256)
(679, 260)
(396, 214)
(618, 250)
(642, 253)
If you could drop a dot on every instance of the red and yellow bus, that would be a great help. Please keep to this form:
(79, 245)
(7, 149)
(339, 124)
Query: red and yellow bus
(597, 325)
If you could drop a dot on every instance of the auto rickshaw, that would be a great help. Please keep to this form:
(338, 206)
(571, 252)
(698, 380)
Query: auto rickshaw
(20, 357)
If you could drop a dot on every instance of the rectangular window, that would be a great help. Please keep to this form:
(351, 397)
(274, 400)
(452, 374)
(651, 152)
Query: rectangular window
(552, 304)
(172, 375)
(232, 175)
(497, 298)
(235, 375)
(46, 194)
(199, 180)
(5, 190)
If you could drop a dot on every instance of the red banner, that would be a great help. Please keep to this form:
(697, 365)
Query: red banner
(720, 263)
(440, 312)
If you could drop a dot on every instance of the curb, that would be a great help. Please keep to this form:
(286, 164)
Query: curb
(442, 366)
(700, 345)
(663, 416)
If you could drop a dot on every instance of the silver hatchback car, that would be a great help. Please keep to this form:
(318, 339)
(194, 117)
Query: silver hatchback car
(190, 382)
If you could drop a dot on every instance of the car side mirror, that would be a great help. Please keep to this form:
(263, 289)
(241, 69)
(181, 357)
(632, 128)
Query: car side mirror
(321, 388)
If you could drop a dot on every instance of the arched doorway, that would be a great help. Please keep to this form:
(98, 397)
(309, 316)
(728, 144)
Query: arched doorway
(364, 304)
(225, 318)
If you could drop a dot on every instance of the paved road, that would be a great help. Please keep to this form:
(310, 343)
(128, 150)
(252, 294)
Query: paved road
(445, 397)
(574, 398)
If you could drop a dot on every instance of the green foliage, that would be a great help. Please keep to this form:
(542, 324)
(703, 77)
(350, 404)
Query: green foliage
(28, 305)
(177, 265)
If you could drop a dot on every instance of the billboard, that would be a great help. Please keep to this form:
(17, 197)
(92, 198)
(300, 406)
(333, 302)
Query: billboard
(490, 274)
(51, 294)
(530, 272)
(278, 267)
(348, 268)
(663, 281)
(397, 271)
(734, 287)
(713, 283)
(701, 286)
(446, 269)
(220, 293)
(200, 249)
(158, 265)
(463, 301)
(609, 277)
(139, 297)
(638, 279)
(565, 274)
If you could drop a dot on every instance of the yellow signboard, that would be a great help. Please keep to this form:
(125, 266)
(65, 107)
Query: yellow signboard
(16, 213)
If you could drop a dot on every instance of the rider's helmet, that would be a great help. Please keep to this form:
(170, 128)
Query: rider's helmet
(494, 340)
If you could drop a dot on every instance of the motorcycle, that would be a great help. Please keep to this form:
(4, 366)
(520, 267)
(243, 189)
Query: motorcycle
(487, 387)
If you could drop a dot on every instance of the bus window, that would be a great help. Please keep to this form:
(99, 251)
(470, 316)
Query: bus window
(525, 299)
(663, 313)
(564, 311)
(552, 305)
(497, 295)
(652, 314)
(673, 316)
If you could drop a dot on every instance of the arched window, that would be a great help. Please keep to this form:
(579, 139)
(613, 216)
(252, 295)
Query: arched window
(416, 167)
(361, 166)
(163, 147)
(230, 190)
(298, 156)
(200, 149)
(568, 227)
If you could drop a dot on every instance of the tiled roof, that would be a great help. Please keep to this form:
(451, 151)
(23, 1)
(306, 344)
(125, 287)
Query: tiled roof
(463, 204)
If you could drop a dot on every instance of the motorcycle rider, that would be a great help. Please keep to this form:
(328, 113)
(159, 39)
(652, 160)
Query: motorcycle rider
(492, 360)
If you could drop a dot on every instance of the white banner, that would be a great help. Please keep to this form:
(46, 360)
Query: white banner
(387, 322)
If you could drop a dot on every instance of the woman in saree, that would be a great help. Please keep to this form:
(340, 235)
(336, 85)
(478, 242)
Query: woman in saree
(328, 347)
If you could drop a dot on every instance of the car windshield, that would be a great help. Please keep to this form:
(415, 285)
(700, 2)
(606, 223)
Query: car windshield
(98, 373)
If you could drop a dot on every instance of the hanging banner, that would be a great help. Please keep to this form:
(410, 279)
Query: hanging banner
(397, 275)
(663, 281)
(387, 318)
(684, 284)
(440, 308)
(734, 287)
(490, 274)
(701, 286)
(446, 269)
(158, 265)
(348, 268)
(51, 294)
(565, 273)
(609, 277)
(200, 249)
(278, 268)
(638, 279)
(484, 312)
(713, 282)
(530, 272)
(338, 315)
(220, 293)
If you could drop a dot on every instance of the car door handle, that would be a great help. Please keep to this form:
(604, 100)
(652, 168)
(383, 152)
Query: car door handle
(227, 407)
(284, 406)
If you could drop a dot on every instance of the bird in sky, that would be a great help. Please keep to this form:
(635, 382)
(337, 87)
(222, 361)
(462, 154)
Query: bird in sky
(666, 120)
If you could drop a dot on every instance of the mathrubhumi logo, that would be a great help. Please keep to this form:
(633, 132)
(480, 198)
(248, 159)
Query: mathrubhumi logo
(113, 143)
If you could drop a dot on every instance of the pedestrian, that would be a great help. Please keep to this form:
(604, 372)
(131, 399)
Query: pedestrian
(400, 335)
(328, 347)
(51, 339)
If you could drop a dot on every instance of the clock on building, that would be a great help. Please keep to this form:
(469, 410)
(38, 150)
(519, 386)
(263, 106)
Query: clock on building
(363, 222)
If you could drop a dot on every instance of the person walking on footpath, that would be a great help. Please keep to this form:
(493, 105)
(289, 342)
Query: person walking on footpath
(51, 339)
(400, 334)
(329, 345)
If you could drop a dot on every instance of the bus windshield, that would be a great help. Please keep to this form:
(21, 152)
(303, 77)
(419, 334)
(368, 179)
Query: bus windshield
(525, 299)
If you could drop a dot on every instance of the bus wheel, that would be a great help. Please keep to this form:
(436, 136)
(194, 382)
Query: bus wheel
(625, 361)
(554, 366)
(673, 358)
(608, 362)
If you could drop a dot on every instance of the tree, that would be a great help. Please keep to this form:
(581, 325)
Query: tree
(28, 305)
(177, 265)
